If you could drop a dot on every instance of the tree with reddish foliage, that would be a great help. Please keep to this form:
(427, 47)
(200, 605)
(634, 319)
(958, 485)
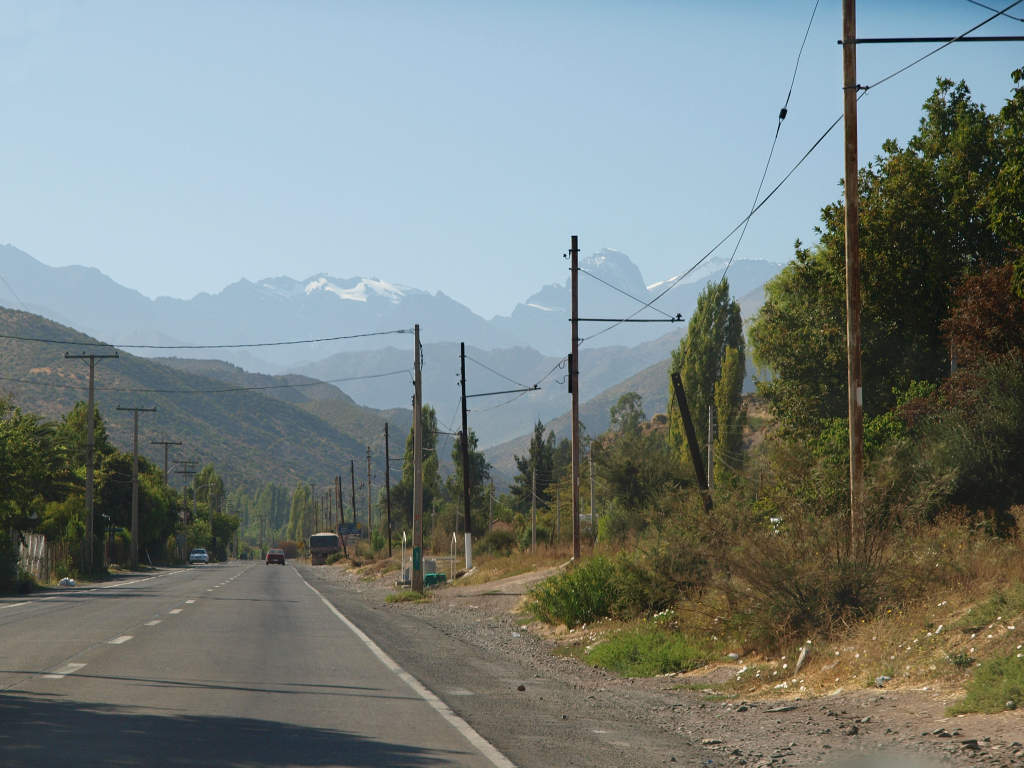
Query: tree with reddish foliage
(987, 318)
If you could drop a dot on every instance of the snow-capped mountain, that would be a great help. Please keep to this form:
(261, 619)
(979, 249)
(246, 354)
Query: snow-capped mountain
(322, 305)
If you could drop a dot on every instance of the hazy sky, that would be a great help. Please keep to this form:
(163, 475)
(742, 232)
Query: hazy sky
(455, 146)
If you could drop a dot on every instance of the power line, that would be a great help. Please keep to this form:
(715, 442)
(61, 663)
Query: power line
(778, 128)
(496, 373)
(990, 8)
(222, 390)
(624, 293)
(202, 346)
(864, 89)
(946, 44)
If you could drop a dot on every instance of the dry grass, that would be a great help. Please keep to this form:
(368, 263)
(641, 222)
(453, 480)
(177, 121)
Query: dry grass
(488, 567)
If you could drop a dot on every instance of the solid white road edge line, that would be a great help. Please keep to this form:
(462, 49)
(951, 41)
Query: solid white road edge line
(483, 745)
(12, 605)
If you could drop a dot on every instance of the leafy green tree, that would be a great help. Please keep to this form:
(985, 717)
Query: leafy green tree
(300, 518)
(479, 475)
(730, 416)
(627, 415)
(932, 211)
(32, 461)
(402, 492)
(73, 435)
(540, 459)
(715, 326)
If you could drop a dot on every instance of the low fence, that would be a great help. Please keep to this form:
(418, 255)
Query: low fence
(41, 557)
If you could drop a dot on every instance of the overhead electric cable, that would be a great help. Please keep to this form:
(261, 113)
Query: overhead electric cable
(222, 390)
(624, 293)
(990, 8)
(778, 127)
(496, 373)
(864, 90)
(202, 346)
(946, 44)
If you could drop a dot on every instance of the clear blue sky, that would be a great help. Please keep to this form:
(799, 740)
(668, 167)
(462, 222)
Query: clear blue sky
(178, 146)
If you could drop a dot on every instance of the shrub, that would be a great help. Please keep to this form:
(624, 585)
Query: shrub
(584, 593)
(995, 684)
(335, 557)
(498, 541)
(1006, 602)
(8, 562)
(649, 651)
(291, 549)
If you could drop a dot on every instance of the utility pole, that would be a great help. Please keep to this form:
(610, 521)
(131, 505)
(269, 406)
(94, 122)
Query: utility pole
(855, 398)
(387, 483)
(369, 493)
(558, 517)
(188, 471)
(574, 387)
(691, 440)
(135, 481)
(533, 513)
(490, 507)
(90, 449)
(417, 473)
(165, 444)
(341, 513)
(468, 527)
(352, 475)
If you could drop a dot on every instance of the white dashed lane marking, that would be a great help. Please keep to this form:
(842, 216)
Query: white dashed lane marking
(176, 610)
(189, 602)
(60, 672)
(153, 623)
(119, 640)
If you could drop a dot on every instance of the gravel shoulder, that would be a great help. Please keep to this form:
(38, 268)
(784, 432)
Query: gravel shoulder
(472, 646)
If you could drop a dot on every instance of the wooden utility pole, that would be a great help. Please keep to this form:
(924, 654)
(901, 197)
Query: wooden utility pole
(90, 450)
(387, 483)
(135, 481)
(464, 440)
(590, 462)
(341, 513)
(691, 440)
(417, 473)
(352, 476)
(166, 444)
(369, 493)
(574, 388)
(855, 397)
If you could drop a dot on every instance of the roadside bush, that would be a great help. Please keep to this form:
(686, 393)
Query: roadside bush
(579, 595)
(650, 651)
(995, 683)
(497, 541)
(26, 582)
(335, 557)
(8, 562)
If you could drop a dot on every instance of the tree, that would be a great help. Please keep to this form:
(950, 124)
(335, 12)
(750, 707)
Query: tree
(402, 492)
(300, 517)
(987, 319)
(31, 460)
(479, 474)
(731, 416)
(539, 460)
(73, 435)
(715, 326)
(930, 212)
(627, 415)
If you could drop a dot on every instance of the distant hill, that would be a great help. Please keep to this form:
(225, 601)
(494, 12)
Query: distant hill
(251, 437)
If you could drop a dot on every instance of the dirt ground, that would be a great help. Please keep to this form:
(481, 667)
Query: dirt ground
(865, 727)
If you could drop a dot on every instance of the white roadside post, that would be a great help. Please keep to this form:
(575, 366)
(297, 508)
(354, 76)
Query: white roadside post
(403, 560)
(455, 547)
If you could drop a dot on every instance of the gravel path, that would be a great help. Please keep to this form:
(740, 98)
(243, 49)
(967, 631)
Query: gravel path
(651, 721)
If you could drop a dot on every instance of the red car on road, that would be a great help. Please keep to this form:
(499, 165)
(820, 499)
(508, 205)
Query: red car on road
(275, 556)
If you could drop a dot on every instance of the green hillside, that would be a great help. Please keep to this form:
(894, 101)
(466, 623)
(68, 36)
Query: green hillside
(251, 437)
(325, 401)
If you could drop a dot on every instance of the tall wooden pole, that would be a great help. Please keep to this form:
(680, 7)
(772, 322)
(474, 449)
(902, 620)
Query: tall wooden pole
(135, 483)
(387, 483)
(691, 439)
(352, 476)
(855, 390)
(417, 474)
(369, 492)
(574, 378)
(468, 528)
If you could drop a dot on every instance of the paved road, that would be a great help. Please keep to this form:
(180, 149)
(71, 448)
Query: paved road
(221, 665)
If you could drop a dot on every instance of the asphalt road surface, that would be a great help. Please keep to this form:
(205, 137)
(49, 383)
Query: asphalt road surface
(238, 664)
